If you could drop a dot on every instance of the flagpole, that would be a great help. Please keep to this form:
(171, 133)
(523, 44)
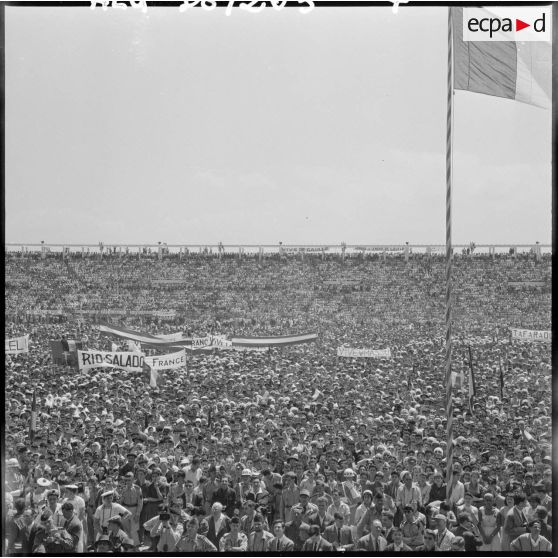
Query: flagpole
(449, 169)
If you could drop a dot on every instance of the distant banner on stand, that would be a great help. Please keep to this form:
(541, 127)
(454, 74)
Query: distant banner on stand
(275, 341)
(363, 353)
(531, 336)
(142, 337)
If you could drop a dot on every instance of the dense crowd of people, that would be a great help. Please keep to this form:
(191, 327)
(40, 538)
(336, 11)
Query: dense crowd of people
(293, 448)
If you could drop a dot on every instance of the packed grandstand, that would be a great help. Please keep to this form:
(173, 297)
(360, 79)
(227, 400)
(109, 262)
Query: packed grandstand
(334, 441)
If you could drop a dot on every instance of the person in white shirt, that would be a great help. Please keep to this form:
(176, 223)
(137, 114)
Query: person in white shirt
(339, 506)
(457, 488)
(194, 472)
(105, 511)
(408, 492)
(166, 533)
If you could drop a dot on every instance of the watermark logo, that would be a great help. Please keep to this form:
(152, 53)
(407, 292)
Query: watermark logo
(525, 24)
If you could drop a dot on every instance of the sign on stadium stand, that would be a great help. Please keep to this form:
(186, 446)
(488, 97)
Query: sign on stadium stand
(17, 345)
(531, 336)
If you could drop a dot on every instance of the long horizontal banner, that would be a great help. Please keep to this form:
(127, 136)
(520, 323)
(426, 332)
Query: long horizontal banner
(363, 353)
(308, 249)
(531, 335)
(274, 341)
(17, 345)
(132, 362)
(167, 362)
(115, 312)
(142, 337)
(394, 249)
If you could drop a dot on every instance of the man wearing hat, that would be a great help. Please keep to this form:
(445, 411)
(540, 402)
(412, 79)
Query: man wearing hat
(130, 466)
(119, 539)
(308, 509)
(105, 511)
(103, 545)
(132, 500)
(14, 479)
(242, 488)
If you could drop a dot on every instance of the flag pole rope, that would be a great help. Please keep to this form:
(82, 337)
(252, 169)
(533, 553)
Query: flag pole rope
(449, 168)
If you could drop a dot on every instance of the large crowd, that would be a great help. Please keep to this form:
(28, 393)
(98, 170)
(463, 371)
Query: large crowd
(293, 448)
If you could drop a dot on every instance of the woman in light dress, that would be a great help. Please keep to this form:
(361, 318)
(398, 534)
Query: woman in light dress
(490, 525)
(501, 519)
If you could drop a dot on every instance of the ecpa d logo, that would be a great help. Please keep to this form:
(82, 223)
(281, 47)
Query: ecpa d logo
(507, 24)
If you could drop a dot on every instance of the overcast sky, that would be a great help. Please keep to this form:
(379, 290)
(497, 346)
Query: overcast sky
(257, 128)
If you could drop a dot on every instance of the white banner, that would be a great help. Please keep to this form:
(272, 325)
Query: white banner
(363, 353)
(132, 362)
(167, 362)
(17, 345)
(531, 335)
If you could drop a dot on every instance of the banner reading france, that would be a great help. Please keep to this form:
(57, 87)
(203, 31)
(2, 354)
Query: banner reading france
(531, 336)
(17, 345)
(132, 362)
(167, 362)
(363, 353)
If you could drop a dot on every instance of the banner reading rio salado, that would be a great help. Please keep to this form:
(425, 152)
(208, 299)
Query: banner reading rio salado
(132, 362)
(531, 335)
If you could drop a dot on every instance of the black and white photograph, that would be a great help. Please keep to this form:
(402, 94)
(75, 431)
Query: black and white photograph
(278, 277)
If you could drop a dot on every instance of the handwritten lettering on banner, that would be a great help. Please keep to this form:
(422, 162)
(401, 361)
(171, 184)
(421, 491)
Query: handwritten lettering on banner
(531, 336)
(132, 362)
(17, 345)
(167, 362)
(391, 249)
(363, 353)
(252, 6)
(210, 341)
